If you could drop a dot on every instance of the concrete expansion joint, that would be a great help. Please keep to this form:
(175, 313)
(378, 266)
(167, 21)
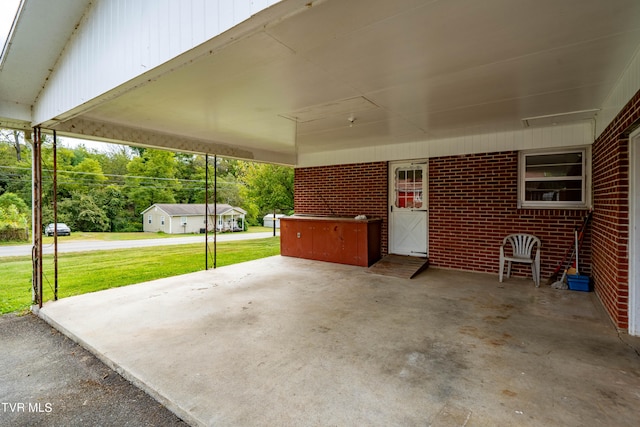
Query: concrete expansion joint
(623, 337)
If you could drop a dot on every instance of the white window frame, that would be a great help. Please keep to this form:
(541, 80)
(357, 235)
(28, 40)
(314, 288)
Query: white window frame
(585, 203)
(162, 220)
(150, 218)
(183, 220)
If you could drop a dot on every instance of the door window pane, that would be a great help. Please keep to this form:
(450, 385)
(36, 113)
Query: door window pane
(408, 188)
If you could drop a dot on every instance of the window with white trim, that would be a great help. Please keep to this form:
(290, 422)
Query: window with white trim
(555, 179)
(162, 220)
(149, 218)
(183, 220)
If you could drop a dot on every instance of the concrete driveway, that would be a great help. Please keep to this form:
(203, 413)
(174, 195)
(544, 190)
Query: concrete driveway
(285, 341)
(103, 245)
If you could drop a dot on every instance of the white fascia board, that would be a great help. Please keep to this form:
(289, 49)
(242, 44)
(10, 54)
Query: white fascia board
(146, 210)
(107, 132)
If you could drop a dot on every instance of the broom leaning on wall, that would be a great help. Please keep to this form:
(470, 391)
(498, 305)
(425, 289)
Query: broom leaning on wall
(567, 260)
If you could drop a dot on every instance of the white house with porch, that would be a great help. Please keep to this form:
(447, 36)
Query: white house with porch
(181, 218)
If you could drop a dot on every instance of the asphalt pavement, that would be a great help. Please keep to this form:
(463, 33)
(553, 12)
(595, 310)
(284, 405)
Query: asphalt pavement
(48, 380)
(102, 245)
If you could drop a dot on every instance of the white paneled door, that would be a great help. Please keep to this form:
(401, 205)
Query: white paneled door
(408, 208)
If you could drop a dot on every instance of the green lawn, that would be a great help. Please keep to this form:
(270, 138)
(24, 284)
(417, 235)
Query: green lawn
(83, 272)
(88, 235)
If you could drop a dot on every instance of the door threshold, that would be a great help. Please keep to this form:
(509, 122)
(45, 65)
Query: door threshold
(402, 266)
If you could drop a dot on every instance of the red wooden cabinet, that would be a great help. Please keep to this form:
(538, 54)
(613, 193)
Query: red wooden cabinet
(340, 240)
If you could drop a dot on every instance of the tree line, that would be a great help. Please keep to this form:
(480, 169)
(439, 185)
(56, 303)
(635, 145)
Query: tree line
(107, 190)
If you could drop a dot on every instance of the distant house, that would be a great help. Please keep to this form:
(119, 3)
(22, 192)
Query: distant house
(268, 220)
(190, 218)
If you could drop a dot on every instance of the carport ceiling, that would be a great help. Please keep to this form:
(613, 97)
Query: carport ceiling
(338, 73)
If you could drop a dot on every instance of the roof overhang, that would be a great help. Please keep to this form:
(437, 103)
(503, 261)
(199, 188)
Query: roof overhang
(312, 77)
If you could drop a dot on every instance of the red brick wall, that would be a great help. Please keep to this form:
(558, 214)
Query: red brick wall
(473, 206)
(611, 212)
(344, 190)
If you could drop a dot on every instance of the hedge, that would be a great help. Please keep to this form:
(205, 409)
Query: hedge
(11, 234)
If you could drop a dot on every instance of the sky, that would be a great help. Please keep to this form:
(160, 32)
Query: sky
(8, 10)
(90, 145)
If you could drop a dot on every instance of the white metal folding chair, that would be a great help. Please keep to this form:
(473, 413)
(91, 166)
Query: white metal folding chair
(523, 247)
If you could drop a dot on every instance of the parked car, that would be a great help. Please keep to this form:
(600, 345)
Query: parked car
(63, 229)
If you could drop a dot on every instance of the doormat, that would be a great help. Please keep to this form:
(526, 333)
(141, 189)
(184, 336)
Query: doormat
(404, 267)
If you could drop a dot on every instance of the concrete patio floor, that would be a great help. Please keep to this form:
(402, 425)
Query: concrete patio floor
(285, 341)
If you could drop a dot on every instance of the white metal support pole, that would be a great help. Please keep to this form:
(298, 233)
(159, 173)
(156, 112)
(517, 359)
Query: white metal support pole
(37, 219)
(206, 211)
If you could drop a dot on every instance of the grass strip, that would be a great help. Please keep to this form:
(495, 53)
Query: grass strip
(83, 272)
